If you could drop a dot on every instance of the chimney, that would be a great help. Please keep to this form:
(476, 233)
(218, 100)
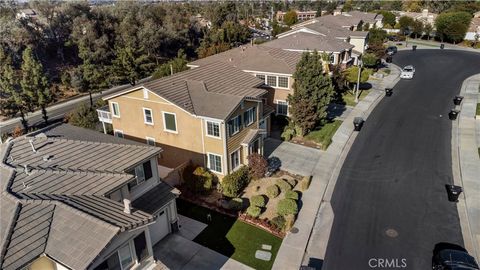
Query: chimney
(425, 13)
(127, 206)
(27, 171)
(33, 146)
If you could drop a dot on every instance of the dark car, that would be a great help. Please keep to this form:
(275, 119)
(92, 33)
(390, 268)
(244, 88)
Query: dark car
(391, 50)
(449, 259)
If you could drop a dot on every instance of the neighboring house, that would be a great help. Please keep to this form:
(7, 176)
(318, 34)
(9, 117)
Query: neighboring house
(274, 66)
(424, 16)
(73, 198)
(213, 116)
(301, 15)
(473, 32)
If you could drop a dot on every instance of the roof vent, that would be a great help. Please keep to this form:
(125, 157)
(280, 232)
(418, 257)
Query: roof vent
(47, 157)
(127, 206)
(33, 146)
(230, 59)
(186, 104)
(41, 135)
(26, 169)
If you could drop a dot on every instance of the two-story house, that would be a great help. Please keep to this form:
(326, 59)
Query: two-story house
(213, 116)
(73, 198)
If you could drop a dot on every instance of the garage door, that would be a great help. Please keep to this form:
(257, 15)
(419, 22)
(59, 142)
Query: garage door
(160, 228)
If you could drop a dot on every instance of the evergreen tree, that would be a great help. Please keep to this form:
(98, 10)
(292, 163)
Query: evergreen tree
(313, 91)
(130, 64)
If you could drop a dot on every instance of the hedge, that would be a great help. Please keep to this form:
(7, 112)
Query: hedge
(287, 207)
(291, 194)
(283, 185)
(273, 191)
(279, 222)
(199, 180)
(254, 211)
(258, 200)
(234, 183)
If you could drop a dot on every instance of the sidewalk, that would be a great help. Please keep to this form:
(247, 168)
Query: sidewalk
(425, 44)
(308, 245)
(466, 164)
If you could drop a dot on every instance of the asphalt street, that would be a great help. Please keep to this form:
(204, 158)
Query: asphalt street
(390, 202)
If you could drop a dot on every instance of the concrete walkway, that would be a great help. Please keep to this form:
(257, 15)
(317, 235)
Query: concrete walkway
(315, 219)
(424, 44)
(466, 164)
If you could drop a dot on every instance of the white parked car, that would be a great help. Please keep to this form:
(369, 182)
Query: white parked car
(407, 72)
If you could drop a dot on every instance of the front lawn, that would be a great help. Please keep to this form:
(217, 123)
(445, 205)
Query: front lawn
(324, 135)
(231, 237)
(349, 97)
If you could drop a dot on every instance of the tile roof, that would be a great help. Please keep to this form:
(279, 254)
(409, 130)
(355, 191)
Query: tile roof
(154, 199)
(256, 58)
(308, 41)
(58, 207)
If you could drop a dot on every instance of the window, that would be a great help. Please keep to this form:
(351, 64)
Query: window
(235, 159)
(283, 82)
(282, 107)
(142, 172)
(150, 141)
(169, 122)
(213, 129)
(125, 255)
(147, 116)
(115, 109)
(234, 125)
(118, 133)
(272, 81)
(250, 116)
(215, 163)
(261, 77)
(145, 93)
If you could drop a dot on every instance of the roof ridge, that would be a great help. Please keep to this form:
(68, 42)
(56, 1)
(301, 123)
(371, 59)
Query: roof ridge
(104, 143)
(8, 235)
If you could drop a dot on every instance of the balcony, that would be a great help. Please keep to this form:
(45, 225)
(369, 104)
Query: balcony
(104, 114)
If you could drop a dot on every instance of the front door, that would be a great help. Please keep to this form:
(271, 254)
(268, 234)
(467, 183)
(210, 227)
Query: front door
(255, 146)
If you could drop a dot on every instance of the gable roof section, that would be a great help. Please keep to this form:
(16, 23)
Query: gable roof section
(308, 41)
(256, 58)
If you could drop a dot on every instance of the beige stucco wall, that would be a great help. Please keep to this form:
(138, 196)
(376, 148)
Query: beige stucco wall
(359, 44)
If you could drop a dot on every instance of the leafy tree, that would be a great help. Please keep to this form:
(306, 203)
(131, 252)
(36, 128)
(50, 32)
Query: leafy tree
(412, 6)
(278, 29)
(258, 165)
(427, 29)
(405, 24)
(290, 18)
(360, 26)
(452, 26)
(348, 6)
(388, 17)
(417, 28)
(313, 91)
(366, 26)
(370, 60)
(351, 75)
(175, 65)
(83, 116)
(376, 36)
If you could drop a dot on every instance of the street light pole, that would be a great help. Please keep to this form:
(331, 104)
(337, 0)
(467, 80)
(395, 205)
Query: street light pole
(357, 90)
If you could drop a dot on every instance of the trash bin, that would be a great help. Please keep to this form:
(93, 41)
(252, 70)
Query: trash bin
(388, 92)
(414, 47)
(457, 100)
(453, 192)
(389, 59)
(452, 115)
(358, 123)
(442, 46)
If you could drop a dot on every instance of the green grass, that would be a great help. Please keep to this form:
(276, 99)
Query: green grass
(231, 237)
(478, 109)
(349, 97)
(324, 134)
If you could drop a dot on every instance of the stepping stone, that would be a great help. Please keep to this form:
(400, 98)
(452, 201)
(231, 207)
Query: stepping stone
(263, 255)
(266, 247)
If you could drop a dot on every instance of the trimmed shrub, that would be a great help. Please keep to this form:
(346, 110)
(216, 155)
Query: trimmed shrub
(258, 165)
(284, 185)
(273, 191)
(199, 180)
(278, 222)
(235, 204)
(234, 183)
(291, 194)
(254, 211)
(291, 181)
(305, 183)
(257, 200)
(287, 207)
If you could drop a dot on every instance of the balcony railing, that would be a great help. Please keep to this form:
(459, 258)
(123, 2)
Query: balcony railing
(104, 114)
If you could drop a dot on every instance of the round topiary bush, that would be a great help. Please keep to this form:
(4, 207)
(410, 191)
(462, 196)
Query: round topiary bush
(291, 181)
(254, 211)
(291, 194)
(278, 222)
(258, 200)
(284, 185)
(235, 204)
(273, 191)
(287, 207)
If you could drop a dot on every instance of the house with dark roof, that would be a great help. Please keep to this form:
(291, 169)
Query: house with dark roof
(212, 116)
(72, 198)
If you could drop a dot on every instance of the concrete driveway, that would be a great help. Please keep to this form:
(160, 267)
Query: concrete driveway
(297, 159)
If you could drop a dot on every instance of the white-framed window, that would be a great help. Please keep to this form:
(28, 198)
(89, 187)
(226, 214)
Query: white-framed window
(115, 109)
(283, 82)
(145, 93)
(215, 162)
(125, 256)
(213, 129)
(234, 125)
(272, 81)
(147, 116)
(118, 133)
(150, 141)
(235, 159)
(142, 173)
(261, 77)
(249, 116)
(170, 122)
(282, 107)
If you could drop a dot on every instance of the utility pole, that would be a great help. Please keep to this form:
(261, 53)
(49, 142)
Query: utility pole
(357, 91)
